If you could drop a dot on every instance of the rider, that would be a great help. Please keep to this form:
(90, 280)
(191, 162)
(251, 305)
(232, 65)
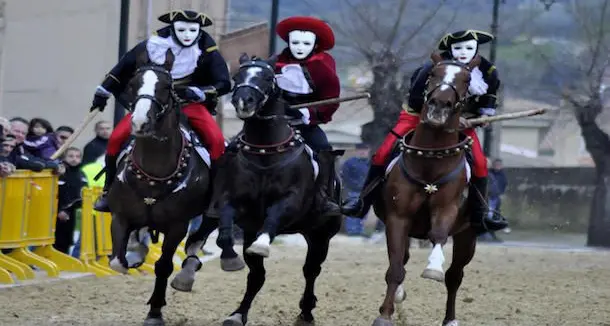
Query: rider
(307, 73)
(200, 74)
(461, 46)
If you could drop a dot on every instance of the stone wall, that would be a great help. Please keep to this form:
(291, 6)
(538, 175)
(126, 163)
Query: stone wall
(549, 198)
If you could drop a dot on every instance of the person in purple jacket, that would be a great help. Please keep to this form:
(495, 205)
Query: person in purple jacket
(40, 140)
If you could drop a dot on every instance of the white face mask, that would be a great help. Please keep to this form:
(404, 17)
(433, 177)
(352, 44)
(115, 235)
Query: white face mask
(301, 43)
(465, 51)
(186, 32)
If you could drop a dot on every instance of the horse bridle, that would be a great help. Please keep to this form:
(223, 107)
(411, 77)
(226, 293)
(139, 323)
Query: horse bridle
(461, 99)
(173, 97)
(260, 64)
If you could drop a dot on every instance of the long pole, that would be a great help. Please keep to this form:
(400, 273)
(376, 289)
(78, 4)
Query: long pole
(119, 111)
(275, 6)
(488, 132)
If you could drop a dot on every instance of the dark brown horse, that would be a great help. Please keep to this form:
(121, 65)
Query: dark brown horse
(423, 196)
(162, 183)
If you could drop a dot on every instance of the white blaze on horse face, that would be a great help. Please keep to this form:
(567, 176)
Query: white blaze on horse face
(186, 32)
(465, 51)
(140, 112)
(450, 72)
(301, 43)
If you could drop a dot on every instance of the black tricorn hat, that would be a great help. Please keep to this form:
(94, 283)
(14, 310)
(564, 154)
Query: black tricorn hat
(461, 36)
(186, 16)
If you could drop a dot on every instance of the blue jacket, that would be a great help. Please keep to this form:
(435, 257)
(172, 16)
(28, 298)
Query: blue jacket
(354, 172)
(497, 183)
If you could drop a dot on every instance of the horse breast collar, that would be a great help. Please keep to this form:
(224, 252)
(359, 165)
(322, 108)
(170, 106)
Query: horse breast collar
(293, 141)
(436, 153)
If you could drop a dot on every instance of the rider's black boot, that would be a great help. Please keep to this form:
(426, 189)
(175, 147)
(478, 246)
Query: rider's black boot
(101, 204)
(328, 207)
(477, 200)
(360, 207)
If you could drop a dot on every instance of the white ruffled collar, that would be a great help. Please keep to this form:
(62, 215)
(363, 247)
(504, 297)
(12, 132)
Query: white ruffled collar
(186, 58)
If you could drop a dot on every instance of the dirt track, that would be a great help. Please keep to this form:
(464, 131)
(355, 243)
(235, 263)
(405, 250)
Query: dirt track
(502, 286)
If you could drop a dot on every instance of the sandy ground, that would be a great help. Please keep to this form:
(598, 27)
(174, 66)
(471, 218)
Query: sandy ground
(503, 286)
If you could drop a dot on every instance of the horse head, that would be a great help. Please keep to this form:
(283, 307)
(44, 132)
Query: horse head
(151, 89)
(446, 92)
(255, 84)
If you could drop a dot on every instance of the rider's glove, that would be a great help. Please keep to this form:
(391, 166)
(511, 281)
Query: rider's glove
(100, 99)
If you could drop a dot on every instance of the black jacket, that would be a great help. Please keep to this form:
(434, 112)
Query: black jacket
(211, 69)
(475, 103)
(70, 185)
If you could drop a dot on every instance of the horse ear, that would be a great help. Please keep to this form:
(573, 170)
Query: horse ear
(244, 58)
(475, 61)
(169, 60)
(436, 57)
(272, 60)
(142, 58)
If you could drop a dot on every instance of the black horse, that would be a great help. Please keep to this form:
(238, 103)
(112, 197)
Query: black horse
(162, 183)
(268, 185)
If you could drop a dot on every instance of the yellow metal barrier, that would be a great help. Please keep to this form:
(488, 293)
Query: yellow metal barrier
(28, 214)
(14, 200)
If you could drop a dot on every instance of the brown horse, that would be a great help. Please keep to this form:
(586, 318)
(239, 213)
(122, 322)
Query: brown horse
(423, 196)
(162, 183)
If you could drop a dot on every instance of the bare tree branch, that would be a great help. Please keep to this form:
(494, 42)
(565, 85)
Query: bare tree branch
(394, 31)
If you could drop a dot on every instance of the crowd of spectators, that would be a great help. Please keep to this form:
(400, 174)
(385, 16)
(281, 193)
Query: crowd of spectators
(30, 144)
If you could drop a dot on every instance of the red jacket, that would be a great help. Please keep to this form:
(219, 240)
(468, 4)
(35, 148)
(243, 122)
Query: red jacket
(323, 80)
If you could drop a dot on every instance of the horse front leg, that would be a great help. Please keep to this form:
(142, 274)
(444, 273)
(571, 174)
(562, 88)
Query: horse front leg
(317, 250)
(442, 220)
(464, 246)
(256, 280)
(397, 231)
(119, 231)
(286, 207)
(163, 269)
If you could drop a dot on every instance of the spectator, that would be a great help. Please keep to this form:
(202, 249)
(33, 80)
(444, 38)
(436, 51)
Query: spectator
(97, 147)
(22, 158)
(90, 170)
(353, 173)
(497, 187)
(8, 144)
(62, 134)
(69, 199)
(19, 128)
(40, 140)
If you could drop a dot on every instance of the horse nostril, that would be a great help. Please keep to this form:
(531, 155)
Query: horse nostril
(250, 100)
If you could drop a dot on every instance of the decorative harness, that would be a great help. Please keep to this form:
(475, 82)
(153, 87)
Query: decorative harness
(460, 148)
(180, 173)
(293, 143)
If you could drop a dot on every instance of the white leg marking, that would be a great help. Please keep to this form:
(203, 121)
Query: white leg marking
(400, 294)
(140, 112)
(436, 258)
(194, 248)
(115, 265)
(261, 246)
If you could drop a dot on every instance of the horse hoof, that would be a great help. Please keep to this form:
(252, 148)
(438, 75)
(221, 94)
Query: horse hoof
(400, 295)
(233, 320)
(433, 274)
(302, 322)
(183, 281)
(382, 322)
(260, 249)
(451, 323)
(116, 266)
(232, 264)
(154, 322)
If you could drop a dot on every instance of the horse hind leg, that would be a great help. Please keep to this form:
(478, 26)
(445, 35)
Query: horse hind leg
(397, 230)
(119, 232)
(464, 245)
(229, 259)
(163, 269)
